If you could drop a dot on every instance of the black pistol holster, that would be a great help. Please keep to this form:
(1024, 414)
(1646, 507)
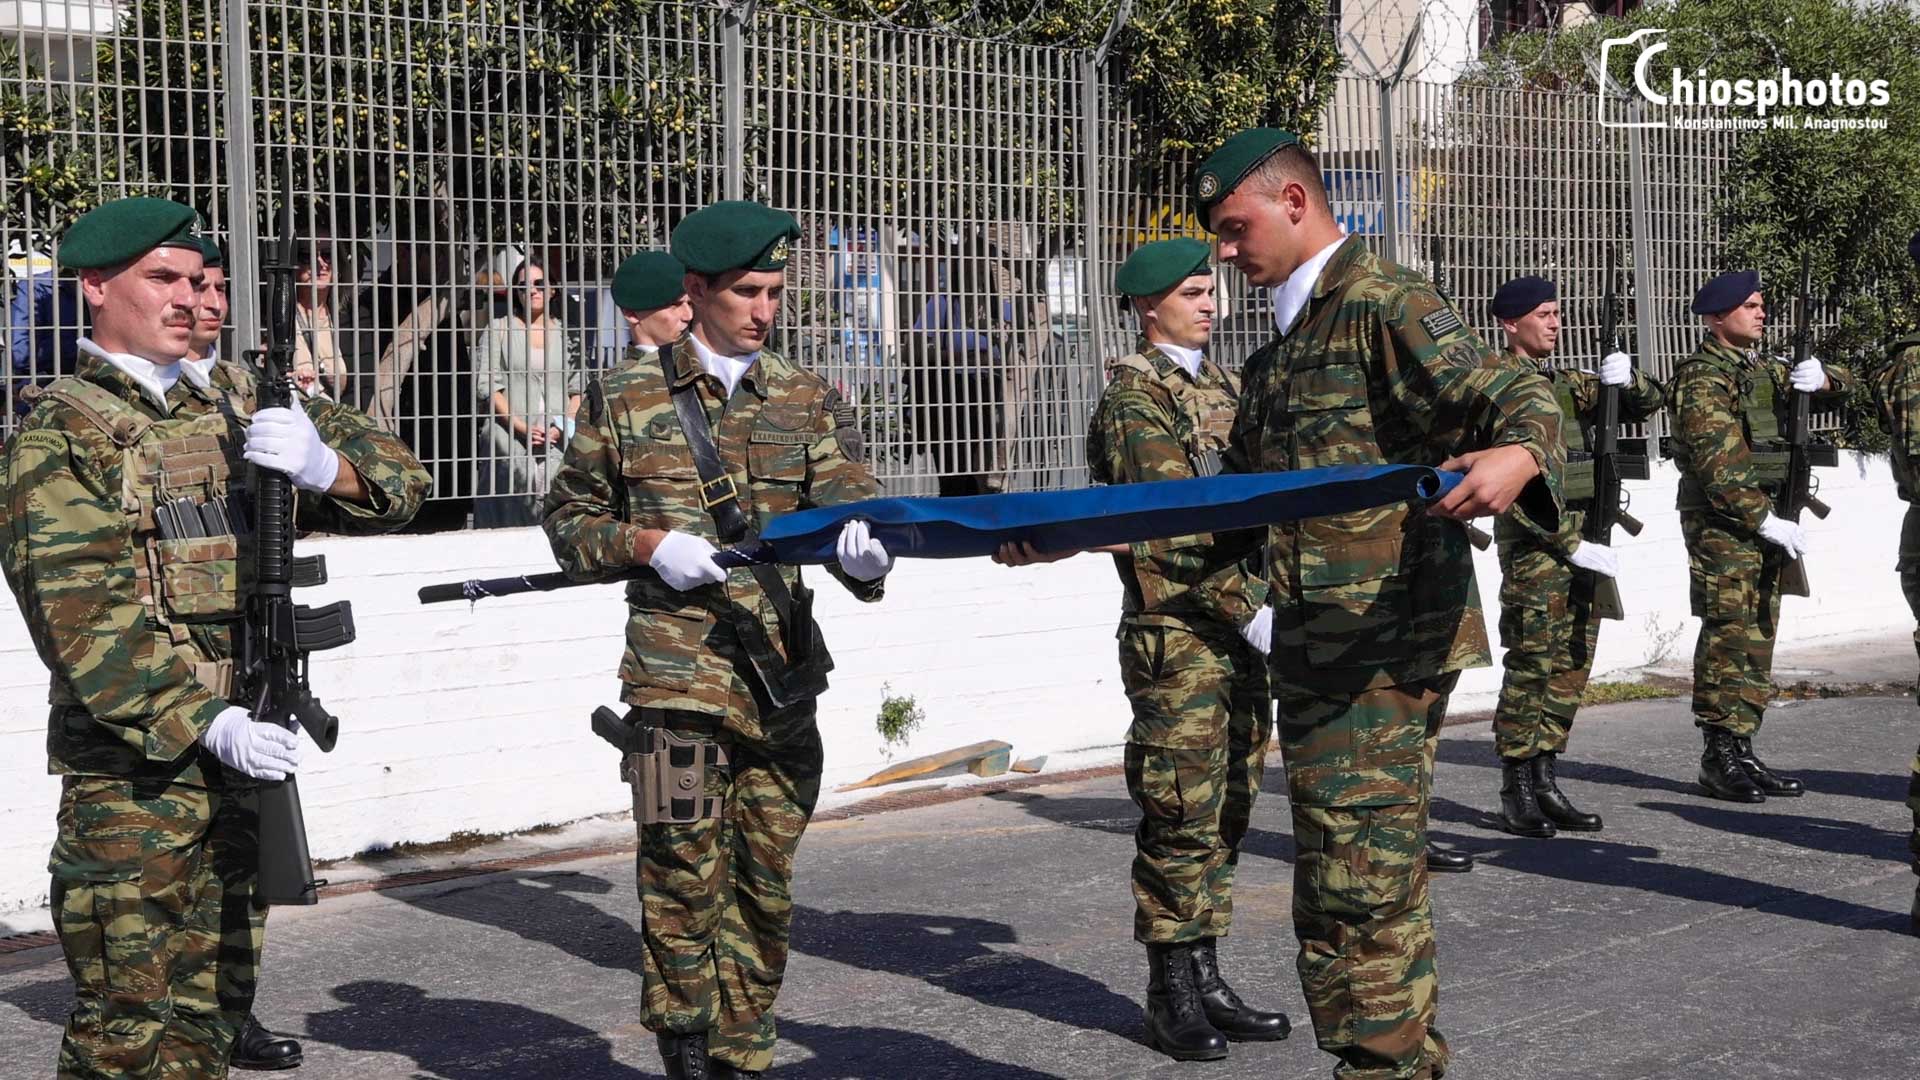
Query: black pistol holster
(802, 673)
(667, 771)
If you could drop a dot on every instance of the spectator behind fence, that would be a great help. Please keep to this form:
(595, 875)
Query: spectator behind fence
(955, 383)
(43, 325)
(530, 393)
(423, 378)
(319, 367)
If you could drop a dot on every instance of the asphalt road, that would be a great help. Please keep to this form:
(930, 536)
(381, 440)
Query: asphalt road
(990, 937)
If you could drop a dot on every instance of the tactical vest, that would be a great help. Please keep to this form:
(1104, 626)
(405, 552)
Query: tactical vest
(1205, 413)
(170, 469)
(1899, 401)
(1761, 425)
(1576, 477)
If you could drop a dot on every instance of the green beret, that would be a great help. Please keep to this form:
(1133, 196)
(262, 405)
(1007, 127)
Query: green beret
(125, 229)
(210, 252)
(649, 280)
(1225, 168)
(1161, 265)
(734, 235)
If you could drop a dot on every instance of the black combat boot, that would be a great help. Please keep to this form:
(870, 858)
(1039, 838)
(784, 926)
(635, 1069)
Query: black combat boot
(1720, 771)
(260, 1050)
(1553, 802)
(685, 1057)
(1764, 778)
(1442, 861)
(1176, 1020)
(1916, 910)
(1519, 802)
(1230, 1016)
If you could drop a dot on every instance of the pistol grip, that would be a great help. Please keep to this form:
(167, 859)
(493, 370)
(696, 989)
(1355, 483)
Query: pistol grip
(1820, 509)
(1479, 538)
(1628, 522)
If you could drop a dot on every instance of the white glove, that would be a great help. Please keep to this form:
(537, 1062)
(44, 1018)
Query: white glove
(1808, 376)
(262, 751)
(1787, 535)
(1616, 369)
(284, 440)
(685, 561)
(861, 556)
(1599, 558)
(1259, 631)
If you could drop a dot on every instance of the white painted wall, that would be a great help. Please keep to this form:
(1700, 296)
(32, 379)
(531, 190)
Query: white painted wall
(476, 721)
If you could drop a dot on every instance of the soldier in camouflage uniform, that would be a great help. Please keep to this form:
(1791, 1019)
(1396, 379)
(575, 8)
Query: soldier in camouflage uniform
(1547, 622)
(1729, 415)
(704, 644)
(1375, 612)
(255, 1047)
(1898, 395)
(650, 291)
(157, 849)
(1192, 659)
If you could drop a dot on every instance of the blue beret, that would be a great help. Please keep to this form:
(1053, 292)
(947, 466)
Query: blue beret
(1224, 169)
(1161, 265)
(1913, 247)
(1726, 292)
(648, 281)
(125, 229)
(1521, 295)
(734, 235)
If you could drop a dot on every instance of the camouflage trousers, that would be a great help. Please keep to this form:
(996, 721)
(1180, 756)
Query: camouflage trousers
(1549, 630)
(152, 898)
(1196, 753)
(1733, 588)
(716, 896)
(1360, 771)
(1909, 566)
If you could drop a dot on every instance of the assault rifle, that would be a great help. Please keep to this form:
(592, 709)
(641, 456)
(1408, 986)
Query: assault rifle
(270, 668)
(1610, 466)
(1801, 487)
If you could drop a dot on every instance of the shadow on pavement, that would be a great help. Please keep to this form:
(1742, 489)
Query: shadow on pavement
(869, 1051)
(1593, 861)
(1813, 833)
(461, 1038)
(953, 953)
(45, 1002)
(543, 907)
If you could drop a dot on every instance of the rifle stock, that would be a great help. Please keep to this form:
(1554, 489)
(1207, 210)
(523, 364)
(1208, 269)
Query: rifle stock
(1609, 465)
(1798, 492)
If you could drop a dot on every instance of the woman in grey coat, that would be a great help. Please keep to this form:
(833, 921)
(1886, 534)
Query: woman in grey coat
(529, 394)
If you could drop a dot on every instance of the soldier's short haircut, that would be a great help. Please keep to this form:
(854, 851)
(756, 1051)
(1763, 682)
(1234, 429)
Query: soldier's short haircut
(1291, 164)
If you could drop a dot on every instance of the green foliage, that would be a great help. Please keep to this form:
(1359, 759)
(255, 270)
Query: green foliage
(48, 181)
(899, 717)
(1850, 198)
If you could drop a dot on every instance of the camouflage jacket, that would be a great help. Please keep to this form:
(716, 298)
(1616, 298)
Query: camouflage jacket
(134, 628)
(1380, 370)
(1897, 393)
(1153, 422)
(1578, 393)
(1730, 414)
(629, 468)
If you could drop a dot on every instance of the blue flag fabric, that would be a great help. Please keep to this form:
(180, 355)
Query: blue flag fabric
(929, 528)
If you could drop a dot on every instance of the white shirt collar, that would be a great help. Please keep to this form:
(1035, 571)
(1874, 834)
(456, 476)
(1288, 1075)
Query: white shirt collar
(1188, 359)
(1291, 297)
(200, 372)
(154, 379)
(727, 369)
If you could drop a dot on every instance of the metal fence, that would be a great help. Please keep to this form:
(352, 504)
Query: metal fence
(963, 204)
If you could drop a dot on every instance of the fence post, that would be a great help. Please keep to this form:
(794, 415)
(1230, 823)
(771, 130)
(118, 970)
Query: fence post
(733, 59)
(243, 245)
(1090, 218)
(1389, 174)
(1640, 230)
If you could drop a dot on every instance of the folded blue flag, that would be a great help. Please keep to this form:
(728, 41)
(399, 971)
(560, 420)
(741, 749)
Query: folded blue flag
(958, 528)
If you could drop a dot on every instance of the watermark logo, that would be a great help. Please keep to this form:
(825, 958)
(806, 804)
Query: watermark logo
(1671, 97)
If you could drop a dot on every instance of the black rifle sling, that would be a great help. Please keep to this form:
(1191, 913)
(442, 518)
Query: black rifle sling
(722, 500)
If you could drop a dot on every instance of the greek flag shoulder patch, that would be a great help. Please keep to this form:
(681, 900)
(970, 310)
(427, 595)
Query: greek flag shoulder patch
(1440, 323)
